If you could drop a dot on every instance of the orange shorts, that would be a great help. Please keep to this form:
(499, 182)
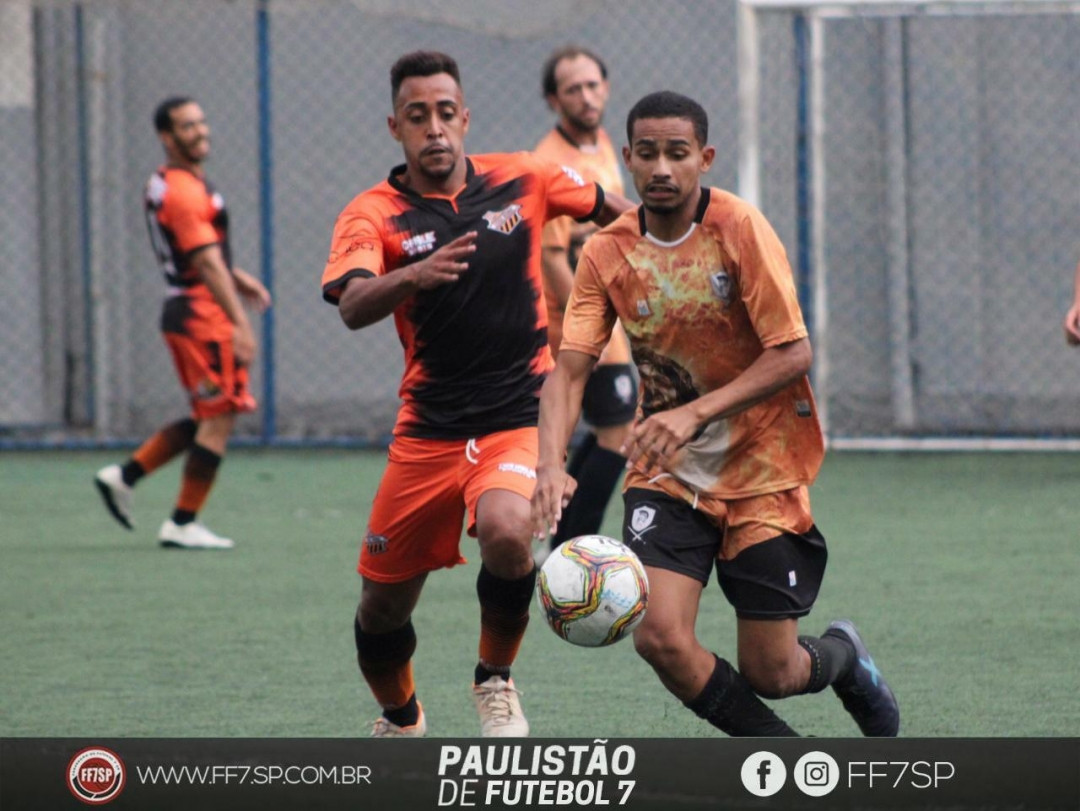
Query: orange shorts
(427, 490)
(209, 374)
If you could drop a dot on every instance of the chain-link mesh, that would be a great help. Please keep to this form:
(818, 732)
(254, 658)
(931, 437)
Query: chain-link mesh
(950, 204)
(297, 95)
(949, 201)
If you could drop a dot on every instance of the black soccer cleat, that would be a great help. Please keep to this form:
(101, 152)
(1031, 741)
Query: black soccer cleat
(864, 692)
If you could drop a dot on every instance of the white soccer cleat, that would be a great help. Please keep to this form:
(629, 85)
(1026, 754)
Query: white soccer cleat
(191, 536)
(117, 495)
(500, 709)
(387, 729)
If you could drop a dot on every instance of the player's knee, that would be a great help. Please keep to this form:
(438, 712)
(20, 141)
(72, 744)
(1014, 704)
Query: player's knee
(661, 649)
(505, 538)
(379, 614)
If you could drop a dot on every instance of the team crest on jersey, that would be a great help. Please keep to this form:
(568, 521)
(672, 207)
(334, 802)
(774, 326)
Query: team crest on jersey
(721, 286)
(421, 243)
(504, 221)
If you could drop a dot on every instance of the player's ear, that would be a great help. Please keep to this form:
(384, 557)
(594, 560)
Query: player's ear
(464, 120)
(626, 156)
(391, 123)
(551, 100)
(708, 154)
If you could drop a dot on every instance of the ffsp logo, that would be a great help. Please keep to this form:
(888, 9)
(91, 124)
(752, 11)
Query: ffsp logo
(95, 775)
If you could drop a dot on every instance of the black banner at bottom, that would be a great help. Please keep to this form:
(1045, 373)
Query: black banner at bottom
(638, 774)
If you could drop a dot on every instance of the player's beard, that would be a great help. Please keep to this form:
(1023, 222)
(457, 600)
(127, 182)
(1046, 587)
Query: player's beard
(662, 209)
(438, 174)
(187, 151)
(579, 125)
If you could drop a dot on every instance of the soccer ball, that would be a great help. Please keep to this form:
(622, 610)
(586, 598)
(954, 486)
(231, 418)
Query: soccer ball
(593, 590)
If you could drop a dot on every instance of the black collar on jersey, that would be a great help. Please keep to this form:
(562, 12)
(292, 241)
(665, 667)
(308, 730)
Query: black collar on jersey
(567, 137)
(400, 169)
(699, 215)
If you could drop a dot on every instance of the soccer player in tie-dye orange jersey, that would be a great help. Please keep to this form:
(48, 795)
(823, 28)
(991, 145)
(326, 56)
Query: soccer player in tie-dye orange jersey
(727, 439)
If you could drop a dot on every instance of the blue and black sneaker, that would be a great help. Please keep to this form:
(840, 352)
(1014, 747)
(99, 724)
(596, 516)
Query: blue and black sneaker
(864, 693)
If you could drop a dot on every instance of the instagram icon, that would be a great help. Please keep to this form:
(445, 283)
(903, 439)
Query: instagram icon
(816, 774)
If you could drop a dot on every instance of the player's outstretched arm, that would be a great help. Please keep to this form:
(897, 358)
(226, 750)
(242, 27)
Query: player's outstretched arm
(367, 300)
(656, 439)
(560, 407)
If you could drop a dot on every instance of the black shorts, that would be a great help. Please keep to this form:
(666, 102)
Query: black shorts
(611, 395)
(774, 579)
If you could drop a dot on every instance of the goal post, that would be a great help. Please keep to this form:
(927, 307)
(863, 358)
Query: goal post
(915, 153)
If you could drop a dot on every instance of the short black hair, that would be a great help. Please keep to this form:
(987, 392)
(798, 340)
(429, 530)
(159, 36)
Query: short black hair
(163, 114)
(421, 63)
(547, 76)
(668, 104)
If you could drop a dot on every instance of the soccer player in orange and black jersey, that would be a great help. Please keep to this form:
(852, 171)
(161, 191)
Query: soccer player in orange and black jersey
(204, 325)
(450, 245)
(727, 441)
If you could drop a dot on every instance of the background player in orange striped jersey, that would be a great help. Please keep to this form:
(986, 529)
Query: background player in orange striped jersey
(449, 245)
(203, 323)
(575, 85)
(728, 439)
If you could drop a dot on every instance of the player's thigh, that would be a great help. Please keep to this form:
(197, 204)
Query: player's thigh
(500, 479)
(502, 464)
(416, 518)
(773, 557)
(672, 612)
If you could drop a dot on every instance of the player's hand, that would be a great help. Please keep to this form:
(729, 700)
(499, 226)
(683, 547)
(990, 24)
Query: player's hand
(1072, 327)
(554, 489)
(252, 290)
(244, 345)
(655, 440)
(446, 264)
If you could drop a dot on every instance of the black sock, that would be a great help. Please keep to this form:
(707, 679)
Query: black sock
(405, 715)
(181, 517)
(131, 472)
(597, 476)
(831, 659)
(482, 673)
(729, 704)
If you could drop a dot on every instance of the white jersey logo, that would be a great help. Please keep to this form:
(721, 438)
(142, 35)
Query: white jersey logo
(421, 243)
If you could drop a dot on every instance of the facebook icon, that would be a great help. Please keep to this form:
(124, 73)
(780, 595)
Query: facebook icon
(763, 774)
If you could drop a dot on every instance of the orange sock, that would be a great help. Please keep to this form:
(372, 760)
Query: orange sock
(165, 445)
